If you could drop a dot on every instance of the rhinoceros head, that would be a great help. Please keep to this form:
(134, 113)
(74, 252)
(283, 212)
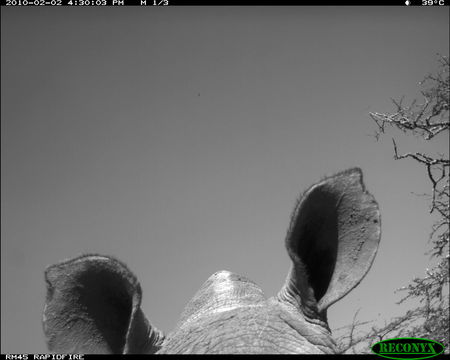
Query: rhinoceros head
(93, 301)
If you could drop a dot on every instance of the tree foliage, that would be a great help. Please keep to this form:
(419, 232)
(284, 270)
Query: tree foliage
(430, 319)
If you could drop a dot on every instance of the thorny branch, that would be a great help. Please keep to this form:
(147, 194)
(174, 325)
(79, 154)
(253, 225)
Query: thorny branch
(430, 319)
(427, 119)
(441, 165)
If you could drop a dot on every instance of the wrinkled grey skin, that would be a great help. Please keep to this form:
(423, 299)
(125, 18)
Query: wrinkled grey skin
(93, 301)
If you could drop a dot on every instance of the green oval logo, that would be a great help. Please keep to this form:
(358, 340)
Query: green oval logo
(407, 348)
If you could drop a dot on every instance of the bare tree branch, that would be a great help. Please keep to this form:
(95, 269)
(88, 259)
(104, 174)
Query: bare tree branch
(431, 318)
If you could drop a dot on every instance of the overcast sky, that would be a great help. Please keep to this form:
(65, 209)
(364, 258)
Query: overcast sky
(177, 140)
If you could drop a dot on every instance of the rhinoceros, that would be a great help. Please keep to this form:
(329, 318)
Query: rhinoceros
(93, 302)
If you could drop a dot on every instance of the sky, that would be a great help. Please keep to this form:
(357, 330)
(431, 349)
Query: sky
(178, 139)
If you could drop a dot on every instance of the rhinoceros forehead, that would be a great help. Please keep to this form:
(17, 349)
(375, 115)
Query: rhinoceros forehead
(223, 291)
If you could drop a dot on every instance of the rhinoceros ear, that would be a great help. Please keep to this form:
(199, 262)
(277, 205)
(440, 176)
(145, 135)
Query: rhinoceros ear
(93, 306)
(332, 240)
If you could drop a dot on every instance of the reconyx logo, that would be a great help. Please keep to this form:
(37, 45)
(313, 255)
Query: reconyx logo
(407, 348)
